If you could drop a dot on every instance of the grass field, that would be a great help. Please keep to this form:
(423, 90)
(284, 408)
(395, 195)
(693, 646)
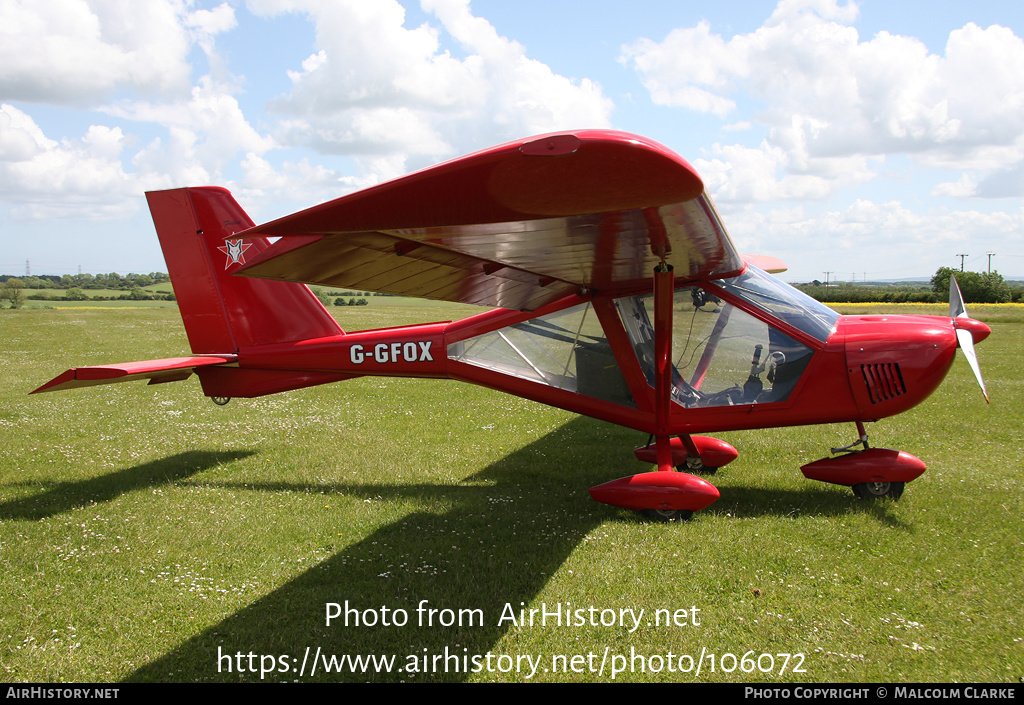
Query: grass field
(148, 535)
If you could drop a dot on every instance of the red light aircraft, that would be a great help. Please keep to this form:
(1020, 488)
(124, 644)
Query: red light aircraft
(617, 292)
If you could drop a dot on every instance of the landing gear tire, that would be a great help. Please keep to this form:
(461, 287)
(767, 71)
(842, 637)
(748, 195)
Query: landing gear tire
(697, 468)
(879, 490)
(666, 515)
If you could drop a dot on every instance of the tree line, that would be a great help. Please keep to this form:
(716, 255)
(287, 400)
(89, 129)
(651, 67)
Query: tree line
(113, 280)
(976, 287)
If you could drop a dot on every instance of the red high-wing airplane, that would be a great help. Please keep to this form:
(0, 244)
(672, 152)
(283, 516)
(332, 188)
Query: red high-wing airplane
(619, 295)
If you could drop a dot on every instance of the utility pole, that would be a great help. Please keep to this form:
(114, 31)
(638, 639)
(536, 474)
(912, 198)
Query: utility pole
(962, 261)
(826, 284)
(990, 256)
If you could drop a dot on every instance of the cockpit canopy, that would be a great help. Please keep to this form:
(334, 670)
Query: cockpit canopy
(722, 354)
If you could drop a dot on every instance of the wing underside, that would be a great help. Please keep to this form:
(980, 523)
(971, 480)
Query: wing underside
(517, 226)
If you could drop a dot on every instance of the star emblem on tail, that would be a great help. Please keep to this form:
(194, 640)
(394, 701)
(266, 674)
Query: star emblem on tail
(235, 250)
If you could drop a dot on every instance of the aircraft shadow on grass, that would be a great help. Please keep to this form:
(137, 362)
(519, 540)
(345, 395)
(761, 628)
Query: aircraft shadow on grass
(509, 529)
(66, 496)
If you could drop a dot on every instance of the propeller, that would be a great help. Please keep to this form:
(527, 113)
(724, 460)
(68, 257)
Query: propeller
(967, 331)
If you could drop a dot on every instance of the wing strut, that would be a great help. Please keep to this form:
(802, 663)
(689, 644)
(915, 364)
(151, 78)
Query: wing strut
(664, 292)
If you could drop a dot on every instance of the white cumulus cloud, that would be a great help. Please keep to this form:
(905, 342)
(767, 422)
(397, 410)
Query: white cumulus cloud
(827, 95)
(75, 52)
(380, 90)
(49, 178)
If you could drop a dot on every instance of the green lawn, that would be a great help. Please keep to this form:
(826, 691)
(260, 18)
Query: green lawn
(147, 534)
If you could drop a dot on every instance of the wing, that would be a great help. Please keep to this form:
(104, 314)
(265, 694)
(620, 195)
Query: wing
(516, 226)
(772, 265)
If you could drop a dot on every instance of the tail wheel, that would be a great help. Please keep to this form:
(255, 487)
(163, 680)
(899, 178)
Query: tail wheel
(878, 490)
(666, 515)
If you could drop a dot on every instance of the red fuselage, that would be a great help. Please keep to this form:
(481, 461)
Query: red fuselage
(868, 367)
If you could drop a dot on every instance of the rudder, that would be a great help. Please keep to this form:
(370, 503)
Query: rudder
(224, 313)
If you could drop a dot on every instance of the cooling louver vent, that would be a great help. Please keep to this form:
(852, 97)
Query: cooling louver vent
(883, 380)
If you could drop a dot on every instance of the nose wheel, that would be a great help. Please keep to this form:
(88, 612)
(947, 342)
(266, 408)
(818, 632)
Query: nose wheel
(667, 515)
(872, 473)
(879, 490)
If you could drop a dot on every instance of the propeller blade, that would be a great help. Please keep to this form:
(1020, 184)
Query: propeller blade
(964, 337)
(956, 300)
(966, 341)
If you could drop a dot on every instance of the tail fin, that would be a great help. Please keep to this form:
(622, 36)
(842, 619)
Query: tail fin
(223, 313)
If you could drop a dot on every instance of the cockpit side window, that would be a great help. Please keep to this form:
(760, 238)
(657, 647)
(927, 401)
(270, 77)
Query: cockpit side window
(722, 356)
(566, 350)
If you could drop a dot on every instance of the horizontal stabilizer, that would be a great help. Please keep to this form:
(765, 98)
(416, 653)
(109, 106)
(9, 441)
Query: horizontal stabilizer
(170, 369)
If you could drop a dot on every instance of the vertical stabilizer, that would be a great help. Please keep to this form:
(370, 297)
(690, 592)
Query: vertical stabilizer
(223, 313)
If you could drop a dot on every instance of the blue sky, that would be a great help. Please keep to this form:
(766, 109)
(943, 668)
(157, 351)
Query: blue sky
(872, 139)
